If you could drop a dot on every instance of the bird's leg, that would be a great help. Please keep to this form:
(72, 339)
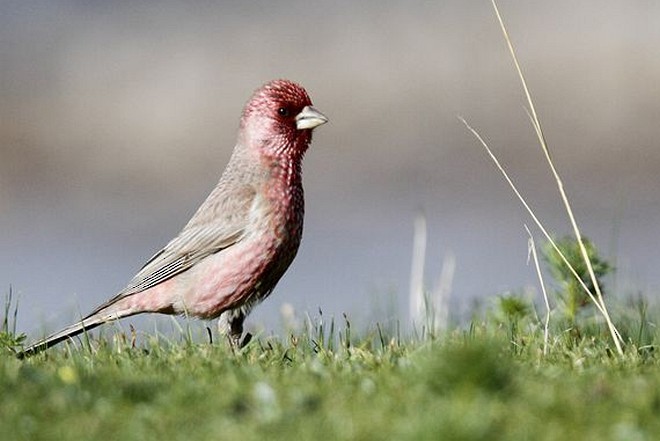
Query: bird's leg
(236, 329)
(231, 325)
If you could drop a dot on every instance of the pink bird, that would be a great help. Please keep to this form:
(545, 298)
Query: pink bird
(242, 239)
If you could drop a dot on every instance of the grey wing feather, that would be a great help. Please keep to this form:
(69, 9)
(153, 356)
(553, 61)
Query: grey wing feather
(203, 236)
(191, 246)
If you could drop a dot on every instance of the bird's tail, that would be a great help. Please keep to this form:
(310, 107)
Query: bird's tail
(88, 323)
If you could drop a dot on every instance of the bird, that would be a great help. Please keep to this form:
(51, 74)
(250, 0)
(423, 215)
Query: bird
(243, 237)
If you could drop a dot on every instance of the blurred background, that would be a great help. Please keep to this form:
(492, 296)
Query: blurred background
(117, 118)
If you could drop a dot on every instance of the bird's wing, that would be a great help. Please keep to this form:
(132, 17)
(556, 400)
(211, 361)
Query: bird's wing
(203, 236)
(181, 254)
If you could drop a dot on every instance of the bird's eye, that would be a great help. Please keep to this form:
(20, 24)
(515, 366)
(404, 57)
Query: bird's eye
(283, 111)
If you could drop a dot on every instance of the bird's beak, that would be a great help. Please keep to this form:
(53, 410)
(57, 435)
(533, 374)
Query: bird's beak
(309, 117)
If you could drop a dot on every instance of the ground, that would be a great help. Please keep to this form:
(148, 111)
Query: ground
(488, 380)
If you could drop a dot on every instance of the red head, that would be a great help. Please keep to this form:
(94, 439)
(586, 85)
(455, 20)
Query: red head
(279, 119)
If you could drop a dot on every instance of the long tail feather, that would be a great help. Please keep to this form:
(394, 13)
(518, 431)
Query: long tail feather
(88, 323)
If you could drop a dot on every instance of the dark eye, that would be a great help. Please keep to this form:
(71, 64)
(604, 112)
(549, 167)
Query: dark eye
(283, 111)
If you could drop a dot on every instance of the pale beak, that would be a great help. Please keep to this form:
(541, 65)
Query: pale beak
(309, 117)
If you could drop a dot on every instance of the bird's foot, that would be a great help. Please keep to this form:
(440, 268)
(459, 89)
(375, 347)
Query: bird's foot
(239, 341)
(231, 325)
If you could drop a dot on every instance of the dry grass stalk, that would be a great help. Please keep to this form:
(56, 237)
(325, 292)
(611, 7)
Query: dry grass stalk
(598, 298)
(534, 254)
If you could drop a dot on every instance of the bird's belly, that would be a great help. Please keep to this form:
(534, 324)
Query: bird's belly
(243, 273)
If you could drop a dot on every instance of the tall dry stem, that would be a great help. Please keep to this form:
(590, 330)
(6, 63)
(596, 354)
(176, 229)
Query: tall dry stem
(598, 299)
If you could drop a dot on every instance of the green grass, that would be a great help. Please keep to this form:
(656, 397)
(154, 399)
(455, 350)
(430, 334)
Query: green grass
(483, 382)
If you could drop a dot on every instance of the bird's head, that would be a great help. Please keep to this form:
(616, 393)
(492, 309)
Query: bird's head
(279, 118)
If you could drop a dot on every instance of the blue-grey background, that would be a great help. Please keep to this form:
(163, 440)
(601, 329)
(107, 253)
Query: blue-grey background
(117, 118)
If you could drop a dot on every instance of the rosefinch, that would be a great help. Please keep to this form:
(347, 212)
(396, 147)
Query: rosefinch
(242, 239)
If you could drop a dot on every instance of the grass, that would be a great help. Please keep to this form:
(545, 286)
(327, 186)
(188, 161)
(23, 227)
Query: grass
(597, 298)
(487, 381)
(510, 374)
